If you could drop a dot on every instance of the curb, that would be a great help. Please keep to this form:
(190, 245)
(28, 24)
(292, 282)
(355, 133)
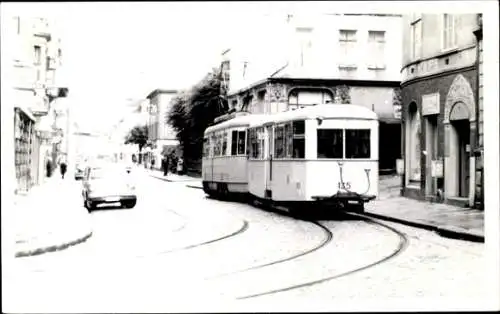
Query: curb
(53, 248)
(442, 231)
(194, 186)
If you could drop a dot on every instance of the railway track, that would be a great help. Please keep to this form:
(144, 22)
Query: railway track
(402, 245)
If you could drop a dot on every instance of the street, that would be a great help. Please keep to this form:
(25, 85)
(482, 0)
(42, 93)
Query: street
(179, 250)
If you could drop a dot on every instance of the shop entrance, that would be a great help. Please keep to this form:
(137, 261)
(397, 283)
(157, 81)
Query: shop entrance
(459, 119)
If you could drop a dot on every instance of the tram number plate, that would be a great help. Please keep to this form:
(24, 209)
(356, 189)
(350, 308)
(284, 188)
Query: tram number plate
(344, 185)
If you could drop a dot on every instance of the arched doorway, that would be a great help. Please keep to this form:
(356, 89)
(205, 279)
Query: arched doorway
(460, 126)
(460, 141)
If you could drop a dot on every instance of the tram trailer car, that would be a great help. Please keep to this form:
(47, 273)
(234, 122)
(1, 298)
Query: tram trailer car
(224, 161)
(315, 156)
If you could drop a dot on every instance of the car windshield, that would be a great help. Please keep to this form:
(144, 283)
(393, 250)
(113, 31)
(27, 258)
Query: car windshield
(102, 173)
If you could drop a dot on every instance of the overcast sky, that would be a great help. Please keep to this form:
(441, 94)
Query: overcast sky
(118, 51)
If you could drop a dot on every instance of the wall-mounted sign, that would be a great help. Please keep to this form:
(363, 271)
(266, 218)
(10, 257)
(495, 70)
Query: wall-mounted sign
(430, 104)
(437, 168)
(400, 166)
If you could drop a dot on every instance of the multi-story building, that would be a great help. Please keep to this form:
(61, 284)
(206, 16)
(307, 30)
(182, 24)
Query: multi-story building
(349, 58)
(160, 134)
(36, 55)
(442, 108)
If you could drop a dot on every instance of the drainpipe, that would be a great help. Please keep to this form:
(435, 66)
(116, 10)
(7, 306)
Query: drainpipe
(478, 149)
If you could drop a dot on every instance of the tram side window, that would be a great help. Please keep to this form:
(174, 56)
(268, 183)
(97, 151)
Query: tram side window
(254, 147)
(330, 144)
(299, 140)
(234, 143)
(279, 147)
(217, 147)
(241, 142)
(206, 147)
(238, 143)
(357, 143)
(224, 143)
(288, 140)
(260, 146)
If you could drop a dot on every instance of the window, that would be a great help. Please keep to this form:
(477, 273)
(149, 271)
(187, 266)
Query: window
(260, 147)
(288, 140)
(216, 141)
(38, 55)
(347, 41)
(238, 143)
(299, 140)
(376, 42)
(254, 143)
(279, 144)
(449, 35)
(224, 143)
(357, 144)
(330, 143)
(206, 147)
(416, 39)
(305, 44)
(241, 142)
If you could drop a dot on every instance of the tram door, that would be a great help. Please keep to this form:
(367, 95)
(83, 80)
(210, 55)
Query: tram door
(268, 165)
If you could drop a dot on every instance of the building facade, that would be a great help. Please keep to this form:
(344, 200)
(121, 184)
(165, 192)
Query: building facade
(36, 57)
(442, 123)
(160, 134)
(337, 58)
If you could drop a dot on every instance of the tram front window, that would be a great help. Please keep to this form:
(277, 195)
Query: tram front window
(330, 143)
(357, 144)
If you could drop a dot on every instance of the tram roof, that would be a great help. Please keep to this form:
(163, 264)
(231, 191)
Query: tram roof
(325, 111)
(240, 121)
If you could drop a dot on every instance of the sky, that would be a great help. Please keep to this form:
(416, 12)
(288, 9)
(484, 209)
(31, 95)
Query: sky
(116, 53)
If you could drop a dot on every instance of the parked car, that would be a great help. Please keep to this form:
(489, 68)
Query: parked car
(79, 172)
(108, 184)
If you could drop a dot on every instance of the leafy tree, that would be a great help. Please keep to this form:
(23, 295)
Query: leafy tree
(138, 135)
(193, 111)
(397, 102)
(343, 94)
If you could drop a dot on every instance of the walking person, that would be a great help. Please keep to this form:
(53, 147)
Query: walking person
(63, 167)
(164, 163)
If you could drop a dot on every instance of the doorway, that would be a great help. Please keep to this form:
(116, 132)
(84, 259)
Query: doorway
(462, 129)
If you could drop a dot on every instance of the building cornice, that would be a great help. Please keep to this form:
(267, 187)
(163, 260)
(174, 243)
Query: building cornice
(439, 74)
(438, 55)
(338, 81)
(161, 91)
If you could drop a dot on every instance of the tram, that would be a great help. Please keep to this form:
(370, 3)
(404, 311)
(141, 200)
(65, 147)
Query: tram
(224, 161)
(314, 156)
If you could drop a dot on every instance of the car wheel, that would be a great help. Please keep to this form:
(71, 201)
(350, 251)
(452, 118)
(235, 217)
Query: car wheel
(129, 204)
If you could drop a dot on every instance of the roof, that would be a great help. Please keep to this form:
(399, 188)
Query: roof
(326, 111)
(161, 91)
(240, 121)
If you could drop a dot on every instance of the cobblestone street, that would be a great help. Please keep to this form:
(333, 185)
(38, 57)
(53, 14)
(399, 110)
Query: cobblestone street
(178, 250)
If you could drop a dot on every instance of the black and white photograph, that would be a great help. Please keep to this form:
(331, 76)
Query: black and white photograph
(240, 156)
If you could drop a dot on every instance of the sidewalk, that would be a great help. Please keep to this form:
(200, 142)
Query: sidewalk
(50, 217)
(192, 182)
(447, 220)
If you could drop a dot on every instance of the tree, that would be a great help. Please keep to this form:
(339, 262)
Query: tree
(397, 102)
(138, 135)
(193, 111)
(343, 94)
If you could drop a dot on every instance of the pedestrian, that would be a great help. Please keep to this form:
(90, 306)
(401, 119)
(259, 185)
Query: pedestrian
(63, 168)
(165, 165)
(48, 167)
(180, 166)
